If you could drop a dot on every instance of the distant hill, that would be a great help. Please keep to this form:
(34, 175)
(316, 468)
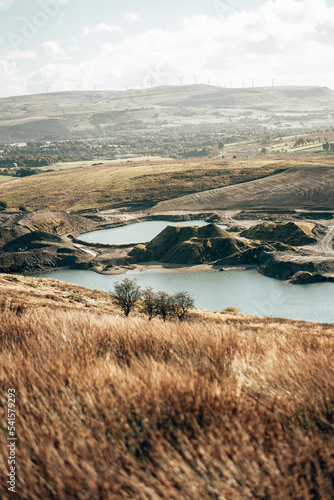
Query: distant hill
(80, 114)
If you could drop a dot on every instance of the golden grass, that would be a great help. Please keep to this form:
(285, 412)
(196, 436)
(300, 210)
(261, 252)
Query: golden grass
(218, 407)
(39, 293)
(126, 183)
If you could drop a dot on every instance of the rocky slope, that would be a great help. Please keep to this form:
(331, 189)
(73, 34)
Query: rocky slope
(38, 241)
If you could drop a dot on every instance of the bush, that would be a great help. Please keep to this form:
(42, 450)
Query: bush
(230, 309)
(3, 205)
(23, 208)
(165, 305)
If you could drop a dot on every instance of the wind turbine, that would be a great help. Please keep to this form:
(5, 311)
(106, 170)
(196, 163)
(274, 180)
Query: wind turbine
(152, 82)
(126, 86)
(180, 78)
(231, 85)
(273, 80)
(195, 77)
(253, 80)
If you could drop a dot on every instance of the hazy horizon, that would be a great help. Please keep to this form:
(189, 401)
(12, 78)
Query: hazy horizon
(66, 45)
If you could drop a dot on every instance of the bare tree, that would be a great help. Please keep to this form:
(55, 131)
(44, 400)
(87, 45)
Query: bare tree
(127, 293)
(150, 300)
(182, 302)
(164, 304)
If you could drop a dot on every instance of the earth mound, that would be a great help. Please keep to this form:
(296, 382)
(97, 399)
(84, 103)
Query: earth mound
(290, 233)
(39, 251)
(8, 234)
(31, 241)
(189, 245)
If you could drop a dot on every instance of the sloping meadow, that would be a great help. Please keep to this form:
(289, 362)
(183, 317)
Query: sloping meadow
(219, 406)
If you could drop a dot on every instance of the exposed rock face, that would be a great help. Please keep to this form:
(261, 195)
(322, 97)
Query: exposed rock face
(290, 233)
(304, 277)
(189, 245)
(142, 254)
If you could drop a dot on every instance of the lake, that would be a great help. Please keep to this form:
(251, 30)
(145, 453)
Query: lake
(140, 232)
(249, 291)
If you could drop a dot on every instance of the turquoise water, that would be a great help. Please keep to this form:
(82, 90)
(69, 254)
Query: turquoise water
(140, 232)
(249, 291)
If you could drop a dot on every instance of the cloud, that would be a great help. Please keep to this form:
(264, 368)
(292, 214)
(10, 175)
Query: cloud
(132, 17)
(11, 82)
(17, 54)
(53, 49)
(4, 4)
(101, 28)
(286, 40)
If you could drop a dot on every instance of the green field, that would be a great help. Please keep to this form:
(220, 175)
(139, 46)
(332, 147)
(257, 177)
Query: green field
(4, 178)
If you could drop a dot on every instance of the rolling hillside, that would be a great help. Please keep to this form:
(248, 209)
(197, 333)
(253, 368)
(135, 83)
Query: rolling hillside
(301, 187)
(65, 115)
(117, 184)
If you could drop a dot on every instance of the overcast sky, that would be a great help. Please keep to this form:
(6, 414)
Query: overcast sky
(103, 44)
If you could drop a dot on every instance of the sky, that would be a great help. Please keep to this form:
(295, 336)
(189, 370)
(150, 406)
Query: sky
(58, 45)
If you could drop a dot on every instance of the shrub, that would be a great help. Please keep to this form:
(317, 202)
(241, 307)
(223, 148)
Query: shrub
(230, 309)
(3, 205)
(164, 305)
(23, 208)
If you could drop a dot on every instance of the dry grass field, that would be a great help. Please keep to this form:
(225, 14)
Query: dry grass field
(221, 406)
(148, 182)
(307, 186)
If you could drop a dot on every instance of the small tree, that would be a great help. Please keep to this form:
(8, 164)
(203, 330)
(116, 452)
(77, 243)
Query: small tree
(299, 142)
(182, 302)
(164, 305)
(127, 293)
(150, 300)
(3, 205)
